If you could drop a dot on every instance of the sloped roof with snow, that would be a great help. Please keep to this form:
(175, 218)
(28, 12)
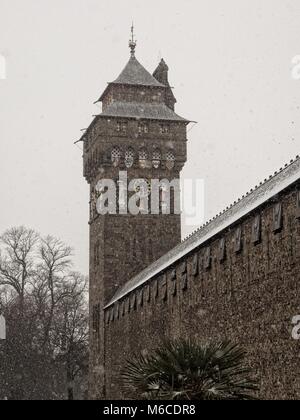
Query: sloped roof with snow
(141, 110)
(135, 74)
(281, 180)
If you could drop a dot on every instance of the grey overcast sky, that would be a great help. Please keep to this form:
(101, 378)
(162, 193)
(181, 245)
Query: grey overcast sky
(230, 64)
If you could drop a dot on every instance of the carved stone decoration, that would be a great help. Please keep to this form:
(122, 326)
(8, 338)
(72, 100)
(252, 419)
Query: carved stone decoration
(207, 258)
(222, 250)
(195, 265)
(298, 205)
(155, 288)
(183, 269)
(147, 293)
(133, 301)
(277, 217)
(173, 282)
(140, 298)
(164, 288)
(256, 230)
(238, 242)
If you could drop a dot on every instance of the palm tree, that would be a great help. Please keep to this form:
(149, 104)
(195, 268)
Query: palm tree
(186, 370)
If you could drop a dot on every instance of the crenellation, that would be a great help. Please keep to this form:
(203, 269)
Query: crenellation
(173, 282)
(277, 218)
(140, 298)
(165, 285)
(256, 230)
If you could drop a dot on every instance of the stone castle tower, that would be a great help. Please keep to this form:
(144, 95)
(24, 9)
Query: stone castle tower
(138, 132)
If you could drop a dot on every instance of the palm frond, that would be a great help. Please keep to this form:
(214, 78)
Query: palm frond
(188, 370)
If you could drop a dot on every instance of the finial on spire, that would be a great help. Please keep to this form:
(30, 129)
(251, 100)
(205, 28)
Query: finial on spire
(132, 42)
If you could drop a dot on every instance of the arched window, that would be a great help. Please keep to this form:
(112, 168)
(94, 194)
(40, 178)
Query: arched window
(170, 160)
(116, 156)
(129, 158)
(156, 159)
(143, 158)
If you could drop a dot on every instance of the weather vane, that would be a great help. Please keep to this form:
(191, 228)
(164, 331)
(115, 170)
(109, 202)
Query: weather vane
(132, 41)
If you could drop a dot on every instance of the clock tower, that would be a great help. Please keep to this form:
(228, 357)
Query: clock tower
(137, 132)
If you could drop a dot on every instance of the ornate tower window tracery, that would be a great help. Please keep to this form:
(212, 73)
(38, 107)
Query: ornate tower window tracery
(116, 156)
(156, 159)
(129, 158)
(143, 158)
(170, 160)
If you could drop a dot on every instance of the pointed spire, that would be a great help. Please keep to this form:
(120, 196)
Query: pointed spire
(132, 42)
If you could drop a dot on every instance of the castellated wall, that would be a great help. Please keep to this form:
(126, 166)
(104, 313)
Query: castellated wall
(243, 285)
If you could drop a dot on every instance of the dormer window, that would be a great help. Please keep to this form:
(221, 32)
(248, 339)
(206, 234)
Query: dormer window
(164, 129)
(143, 128)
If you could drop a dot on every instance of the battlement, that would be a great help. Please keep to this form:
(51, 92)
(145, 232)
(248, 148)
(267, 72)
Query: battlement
(248, 205)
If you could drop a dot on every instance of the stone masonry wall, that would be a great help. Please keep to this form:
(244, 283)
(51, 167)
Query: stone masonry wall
(243, 285)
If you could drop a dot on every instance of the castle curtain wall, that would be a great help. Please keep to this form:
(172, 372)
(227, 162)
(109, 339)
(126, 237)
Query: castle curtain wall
(243, 285)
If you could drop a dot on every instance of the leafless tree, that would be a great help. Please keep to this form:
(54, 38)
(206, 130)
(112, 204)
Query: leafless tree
(16, 259)
(55, 262)
(45, 304)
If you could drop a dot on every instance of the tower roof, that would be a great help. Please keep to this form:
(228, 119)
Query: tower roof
(141, 111)
(135, 74)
